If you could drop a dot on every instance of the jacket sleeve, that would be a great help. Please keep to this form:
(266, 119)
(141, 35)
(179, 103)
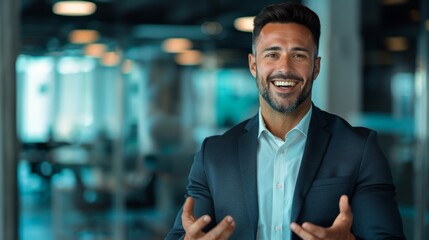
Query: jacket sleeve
(375, 210)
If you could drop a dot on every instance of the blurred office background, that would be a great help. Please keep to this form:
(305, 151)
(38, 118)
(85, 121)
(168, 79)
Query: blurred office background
(102, 113)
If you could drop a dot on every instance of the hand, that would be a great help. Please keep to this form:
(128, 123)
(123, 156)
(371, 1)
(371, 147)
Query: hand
(340, 229)
(194, 228)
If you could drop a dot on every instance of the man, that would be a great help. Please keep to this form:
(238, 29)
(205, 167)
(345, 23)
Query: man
(293, 171)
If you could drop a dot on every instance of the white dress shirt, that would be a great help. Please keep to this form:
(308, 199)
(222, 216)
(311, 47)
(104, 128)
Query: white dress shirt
(278, 164)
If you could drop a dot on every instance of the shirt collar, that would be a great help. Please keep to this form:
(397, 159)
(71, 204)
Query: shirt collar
(302, 126)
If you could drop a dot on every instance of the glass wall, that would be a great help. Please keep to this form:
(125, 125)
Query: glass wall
(106, 149)
(393, 85)
(69, 125)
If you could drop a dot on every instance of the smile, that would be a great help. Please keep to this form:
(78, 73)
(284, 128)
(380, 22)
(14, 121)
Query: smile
(285, 84)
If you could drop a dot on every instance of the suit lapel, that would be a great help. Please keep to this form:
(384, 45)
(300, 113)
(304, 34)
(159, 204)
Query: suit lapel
(247, 150)
(317, 141)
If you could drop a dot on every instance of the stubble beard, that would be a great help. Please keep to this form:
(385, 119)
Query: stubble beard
(281, 108)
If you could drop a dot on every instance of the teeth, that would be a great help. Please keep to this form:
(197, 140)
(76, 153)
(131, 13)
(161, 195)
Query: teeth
(284, 84)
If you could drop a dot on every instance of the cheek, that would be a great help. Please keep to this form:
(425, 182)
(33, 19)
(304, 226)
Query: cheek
(262, 78)
(304, 67)
(266, 70)
(306, 71)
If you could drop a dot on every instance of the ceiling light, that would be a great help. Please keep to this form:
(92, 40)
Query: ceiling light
(396, 43)
(95, 50)
(244, 24)
(189, 57)
(176, 45)
(82, 36)
(74, 8)
(110, 59)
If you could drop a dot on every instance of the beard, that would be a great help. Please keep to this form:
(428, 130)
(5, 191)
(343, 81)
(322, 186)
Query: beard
(282, 108)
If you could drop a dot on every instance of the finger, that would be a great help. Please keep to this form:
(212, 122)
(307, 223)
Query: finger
(193, 227)
(228, 231)
(188, 207)
(301, 232)
(223, 229)
(188, 217)
(315, 230)
(196, 228)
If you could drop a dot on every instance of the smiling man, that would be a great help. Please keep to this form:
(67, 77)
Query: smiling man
(285, 64)
(292, 171)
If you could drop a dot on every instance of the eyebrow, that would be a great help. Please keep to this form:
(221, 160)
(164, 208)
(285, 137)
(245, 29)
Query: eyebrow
(277, 48)
(274, 48)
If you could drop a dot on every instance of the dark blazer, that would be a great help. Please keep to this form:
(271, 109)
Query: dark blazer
(338, 159)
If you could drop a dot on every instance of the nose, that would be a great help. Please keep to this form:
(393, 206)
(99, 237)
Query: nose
(285, 64)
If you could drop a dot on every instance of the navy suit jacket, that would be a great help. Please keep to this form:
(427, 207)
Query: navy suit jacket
(338, 159)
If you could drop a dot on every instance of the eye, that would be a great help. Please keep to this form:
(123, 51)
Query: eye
(272, 55)
(299, 55)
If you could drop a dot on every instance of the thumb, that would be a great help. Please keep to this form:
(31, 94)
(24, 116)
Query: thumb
(344, 205)
(346, 214)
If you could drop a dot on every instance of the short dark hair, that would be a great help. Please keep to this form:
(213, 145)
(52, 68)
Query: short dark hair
(287, 13)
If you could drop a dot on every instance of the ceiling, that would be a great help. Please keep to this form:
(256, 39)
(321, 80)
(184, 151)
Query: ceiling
(144, 22)
(137, 21)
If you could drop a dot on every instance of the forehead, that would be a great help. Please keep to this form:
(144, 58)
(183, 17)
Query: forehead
(282, 33)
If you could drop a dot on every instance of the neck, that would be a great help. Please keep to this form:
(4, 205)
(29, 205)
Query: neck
(279, 124)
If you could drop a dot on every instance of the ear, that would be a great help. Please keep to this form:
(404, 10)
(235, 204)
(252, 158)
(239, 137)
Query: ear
(316, 69)
(252, 64)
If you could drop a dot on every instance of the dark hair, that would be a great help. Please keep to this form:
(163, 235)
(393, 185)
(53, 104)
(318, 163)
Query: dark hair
(287, 13)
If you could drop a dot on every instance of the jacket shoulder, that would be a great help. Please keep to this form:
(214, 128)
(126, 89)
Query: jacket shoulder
(337, 124)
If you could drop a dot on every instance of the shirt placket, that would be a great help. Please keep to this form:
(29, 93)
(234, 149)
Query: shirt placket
(288, 178)
(278, 194)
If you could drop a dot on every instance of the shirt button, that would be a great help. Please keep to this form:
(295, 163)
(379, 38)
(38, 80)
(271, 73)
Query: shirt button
(278, 228)
(279, 185)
